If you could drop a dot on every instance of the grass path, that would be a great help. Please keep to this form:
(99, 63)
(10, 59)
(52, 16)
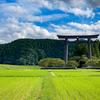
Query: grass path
(52, 73)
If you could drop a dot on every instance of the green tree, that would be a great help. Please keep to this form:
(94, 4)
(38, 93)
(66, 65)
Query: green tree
(56, 62)
(21, 61)
(82, 61)
(81, 49)
(76, 58)
(44, 62)
(97, 50)
(51, 62)
(98, 63)
(41, 53)
(28, 57)
(93, 62)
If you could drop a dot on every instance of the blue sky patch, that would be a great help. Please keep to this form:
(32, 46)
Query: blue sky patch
(10, 1)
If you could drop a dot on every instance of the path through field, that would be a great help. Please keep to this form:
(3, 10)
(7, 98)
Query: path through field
(52, 73)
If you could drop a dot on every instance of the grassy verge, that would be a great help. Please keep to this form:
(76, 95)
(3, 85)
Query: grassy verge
(17, 67)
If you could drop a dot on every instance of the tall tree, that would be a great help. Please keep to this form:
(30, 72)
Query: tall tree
(80, 49)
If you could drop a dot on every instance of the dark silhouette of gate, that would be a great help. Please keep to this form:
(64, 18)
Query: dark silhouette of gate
(88, 37)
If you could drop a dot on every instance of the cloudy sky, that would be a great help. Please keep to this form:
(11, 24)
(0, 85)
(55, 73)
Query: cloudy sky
(39, 19)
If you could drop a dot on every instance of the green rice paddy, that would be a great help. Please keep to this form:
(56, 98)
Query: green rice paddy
(33, 83)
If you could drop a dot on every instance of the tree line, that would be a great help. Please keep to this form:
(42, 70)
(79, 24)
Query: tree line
(31, 51)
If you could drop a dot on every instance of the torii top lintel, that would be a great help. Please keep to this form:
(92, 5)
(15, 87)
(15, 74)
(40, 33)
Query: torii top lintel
(77, 36)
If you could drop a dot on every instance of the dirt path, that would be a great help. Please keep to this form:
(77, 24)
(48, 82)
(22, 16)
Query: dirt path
(52, 73)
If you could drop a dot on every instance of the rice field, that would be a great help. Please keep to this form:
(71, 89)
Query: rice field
(32, 83)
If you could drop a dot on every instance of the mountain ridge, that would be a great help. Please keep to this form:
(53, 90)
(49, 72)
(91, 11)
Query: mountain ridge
(30, 51)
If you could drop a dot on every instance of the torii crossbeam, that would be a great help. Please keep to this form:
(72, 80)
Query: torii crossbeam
(66, 37)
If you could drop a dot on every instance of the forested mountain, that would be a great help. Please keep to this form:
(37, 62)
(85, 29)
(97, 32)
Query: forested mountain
(30, 51)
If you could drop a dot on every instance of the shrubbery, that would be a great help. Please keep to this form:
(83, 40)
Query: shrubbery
(77, 61)
(76, 58)
(44, 62)
(72, 63)
(51, 62)
(93, 63)
(98, 64)
(82, 61)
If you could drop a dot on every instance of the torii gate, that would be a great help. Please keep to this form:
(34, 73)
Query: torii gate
(66, 37)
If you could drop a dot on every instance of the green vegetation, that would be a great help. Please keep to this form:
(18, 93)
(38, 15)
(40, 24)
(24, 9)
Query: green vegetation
(51, 62)
(80, 55)
(72, 64)
(17, 67)
(83, 61)
(82, 49)
(78, 88)
(30, 51)
(93, 62)
(29, 83)
(77, 61)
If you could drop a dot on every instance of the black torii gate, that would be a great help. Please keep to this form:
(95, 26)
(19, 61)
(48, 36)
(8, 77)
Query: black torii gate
(66, 37)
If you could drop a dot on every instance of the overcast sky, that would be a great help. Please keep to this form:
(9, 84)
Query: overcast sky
(40, 19)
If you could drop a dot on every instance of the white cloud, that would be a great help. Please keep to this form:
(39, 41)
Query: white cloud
(53, 4)
(66, 30)
(16, 10)
(78, 3)
(75, 32)
(12, 20)
(84, 29)
(77, 7)
(46, 18)
(18, 30)
(69, 32)
(36, 4)
(34, 18)
(74, 3)
(56, 26)
(54, 17)
(93, 27)
(40, 3)
(26, 10)
(81, 26)
(98, 13)
(33, 6)
(87, 12)
(60, 27)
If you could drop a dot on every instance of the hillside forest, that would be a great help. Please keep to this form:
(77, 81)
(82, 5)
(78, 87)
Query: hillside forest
(30, 51)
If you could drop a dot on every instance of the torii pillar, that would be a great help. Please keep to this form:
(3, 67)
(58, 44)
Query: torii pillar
(89, 48)
(66, 50)
(77, 37)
